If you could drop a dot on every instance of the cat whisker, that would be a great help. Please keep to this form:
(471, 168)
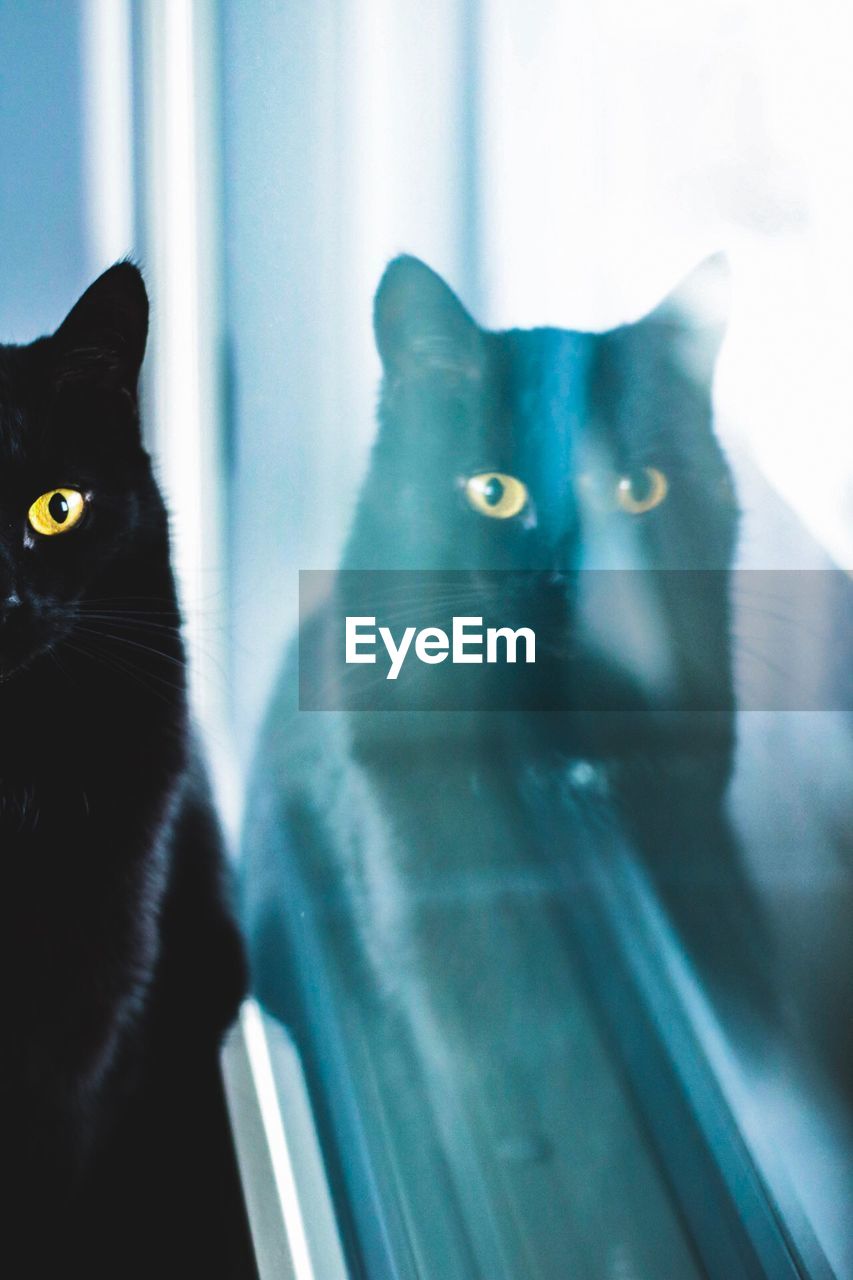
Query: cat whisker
(105, 639)
(131, 671)
(181, 661)
(108, 659)
(120, 601)
(145, 648)
(793, 679)
(138, 619)
(794, 621)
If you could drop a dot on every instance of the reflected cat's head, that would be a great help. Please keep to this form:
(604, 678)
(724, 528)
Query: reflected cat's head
(547, 448)
(526, 458)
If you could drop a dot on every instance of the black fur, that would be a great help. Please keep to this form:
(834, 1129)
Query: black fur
(121, 966)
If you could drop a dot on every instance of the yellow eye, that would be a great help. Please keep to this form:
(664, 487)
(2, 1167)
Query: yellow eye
(642, 491)
(56, 511)
(494, 494)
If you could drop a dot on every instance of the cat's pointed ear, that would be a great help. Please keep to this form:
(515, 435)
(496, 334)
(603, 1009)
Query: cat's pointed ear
(697, 314)
(421, 325)
(102, 339)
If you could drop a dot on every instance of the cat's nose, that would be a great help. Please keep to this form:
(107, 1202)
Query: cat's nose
(10, 610)
(14, 630)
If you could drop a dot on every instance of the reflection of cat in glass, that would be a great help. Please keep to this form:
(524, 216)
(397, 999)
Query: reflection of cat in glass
(547, 451)
(432, 854)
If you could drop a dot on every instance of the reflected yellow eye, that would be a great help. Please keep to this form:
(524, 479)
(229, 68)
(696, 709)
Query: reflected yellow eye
(642, 491)
(56, 511)
(494, 494)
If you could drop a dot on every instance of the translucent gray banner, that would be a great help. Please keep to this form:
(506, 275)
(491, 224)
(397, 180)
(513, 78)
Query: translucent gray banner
(624, 641)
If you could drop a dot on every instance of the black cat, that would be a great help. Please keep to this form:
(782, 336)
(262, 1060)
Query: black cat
(414, 877)
(121, 964)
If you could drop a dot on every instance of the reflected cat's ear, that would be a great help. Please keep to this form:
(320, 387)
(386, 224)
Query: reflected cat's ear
(696, 313)
(421, 325)
(102, 339)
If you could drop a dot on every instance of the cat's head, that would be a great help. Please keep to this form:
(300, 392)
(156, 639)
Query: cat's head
(78, 503)
(547, 453)
(543, 449)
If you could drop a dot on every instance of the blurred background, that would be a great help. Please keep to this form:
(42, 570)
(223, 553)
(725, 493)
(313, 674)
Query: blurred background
(559, 163)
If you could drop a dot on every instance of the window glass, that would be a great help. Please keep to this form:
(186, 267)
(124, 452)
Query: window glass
(535, 317)
(43, 210)
(569, 1000)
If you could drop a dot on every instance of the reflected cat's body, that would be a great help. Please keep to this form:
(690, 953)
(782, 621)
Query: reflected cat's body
(414, 878)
